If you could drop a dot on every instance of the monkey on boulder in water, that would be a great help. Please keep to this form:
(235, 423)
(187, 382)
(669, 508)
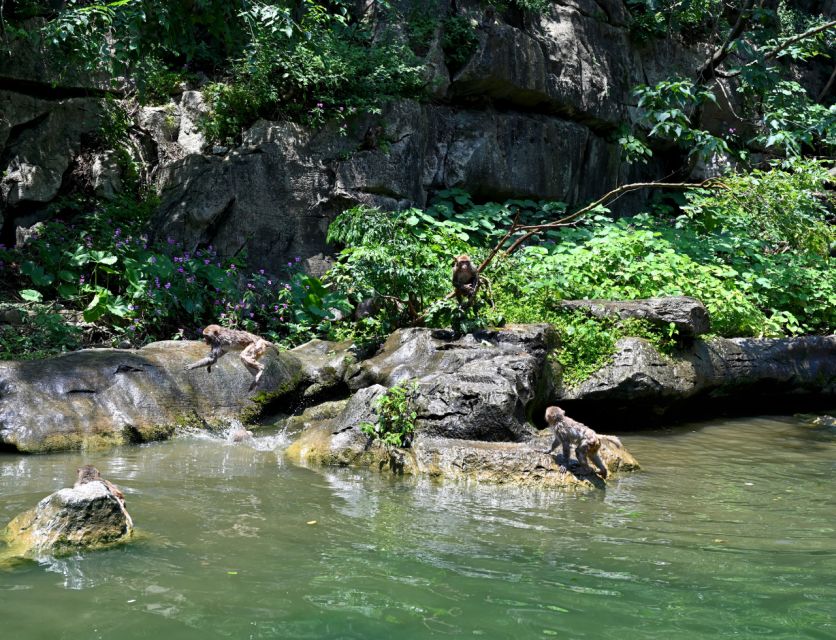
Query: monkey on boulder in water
(221, 340)
(587, 442)
(89, 473)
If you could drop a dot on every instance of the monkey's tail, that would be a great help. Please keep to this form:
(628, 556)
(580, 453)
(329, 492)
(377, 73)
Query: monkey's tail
(612, 439)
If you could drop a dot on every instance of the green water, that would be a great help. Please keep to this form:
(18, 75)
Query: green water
(730, 532)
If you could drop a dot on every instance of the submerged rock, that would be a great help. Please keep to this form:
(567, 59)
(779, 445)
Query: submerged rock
(90, 515)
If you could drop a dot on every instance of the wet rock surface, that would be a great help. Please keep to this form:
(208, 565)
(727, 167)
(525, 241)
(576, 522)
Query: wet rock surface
(101, 397)
(87, 516)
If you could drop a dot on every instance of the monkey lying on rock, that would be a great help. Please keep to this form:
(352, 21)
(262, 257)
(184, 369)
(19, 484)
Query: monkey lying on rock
(221, 340)
(587, 442)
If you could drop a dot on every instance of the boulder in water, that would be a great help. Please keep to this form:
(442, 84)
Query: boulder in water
(90, 515)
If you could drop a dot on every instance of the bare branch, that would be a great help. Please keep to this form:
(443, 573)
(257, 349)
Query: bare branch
(773, 53)
(829, 84)
(706, 72)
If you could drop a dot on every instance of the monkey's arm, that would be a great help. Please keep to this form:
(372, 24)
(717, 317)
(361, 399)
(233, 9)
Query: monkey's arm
(208, 361)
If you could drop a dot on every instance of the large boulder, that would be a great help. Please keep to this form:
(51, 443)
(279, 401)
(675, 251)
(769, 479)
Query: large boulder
(87, 516)
(719, 373)
(334, 438)
(574, 59)
(101, 397)
(39, 139)
(480, 386)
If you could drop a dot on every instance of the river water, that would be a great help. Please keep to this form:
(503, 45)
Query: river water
(729, 532)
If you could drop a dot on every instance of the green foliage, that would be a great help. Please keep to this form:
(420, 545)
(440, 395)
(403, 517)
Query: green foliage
(666, 108)
(458, 40)
(43, 333)
(775, 211)
(272, 59)
(106, 268)
(395, 416)
(794, 124)
(330, 72)
(691, 19)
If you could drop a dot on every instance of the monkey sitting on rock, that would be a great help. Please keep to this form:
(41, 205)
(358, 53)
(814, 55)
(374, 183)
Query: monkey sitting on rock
(221, 340)
(587, 442)
(89, 473)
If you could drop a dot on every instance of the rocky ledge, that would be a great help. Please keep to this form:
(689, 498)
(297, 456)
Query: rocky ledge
(478, 398)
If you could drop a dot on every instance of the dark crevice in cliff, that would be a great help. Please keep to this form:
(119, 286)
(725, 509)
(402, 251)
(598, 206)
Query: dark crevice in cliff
(767, 398)
(48, 91)
(533, 107)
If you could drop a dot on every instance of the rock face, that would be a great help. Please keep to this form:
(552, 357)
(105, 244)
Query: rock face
(85, 517)
(479, 386)
(688, 315)
(110, 396)
(335, 439)
(746, 371)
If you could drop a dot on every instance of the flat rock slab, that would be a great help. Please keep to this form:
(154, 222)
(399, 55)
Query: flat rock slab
(101, 397)
(334, 438)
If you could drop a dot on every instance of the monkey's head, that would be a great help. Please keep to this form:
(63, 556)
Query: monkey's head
(88, 473)
(211, 333)
(463, 265)
(554, 415)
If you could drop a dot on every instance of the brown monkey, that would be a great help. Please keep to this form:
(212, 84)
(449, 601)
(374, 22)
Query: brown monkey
(465, 277)
(586, 441)
(89, 473)
(372, 138)
(222, 340)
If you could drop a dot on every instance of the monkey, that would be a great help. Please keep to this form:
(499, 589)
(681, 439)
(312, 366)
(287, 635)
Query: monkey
(465, 278)
(372, 138)
(89, 473)
(222, 340)
(586, 441)
(238, 433)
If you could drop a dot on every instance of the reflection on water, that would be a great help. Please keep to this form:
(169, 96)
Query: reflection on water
(729, 532)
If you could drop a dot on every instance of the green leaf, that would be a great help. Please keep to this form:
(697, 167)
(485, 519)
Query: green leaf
(30, 295)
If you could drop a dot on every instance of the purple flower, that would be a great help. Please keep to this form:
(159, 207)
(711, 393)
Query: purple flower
(298, 259)
(168, 285)
(206, 261)
(117, 232)
(269, 282)
(81, 280)
(180, 270)
(261, 271)
(153, 260)
(319, 105)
